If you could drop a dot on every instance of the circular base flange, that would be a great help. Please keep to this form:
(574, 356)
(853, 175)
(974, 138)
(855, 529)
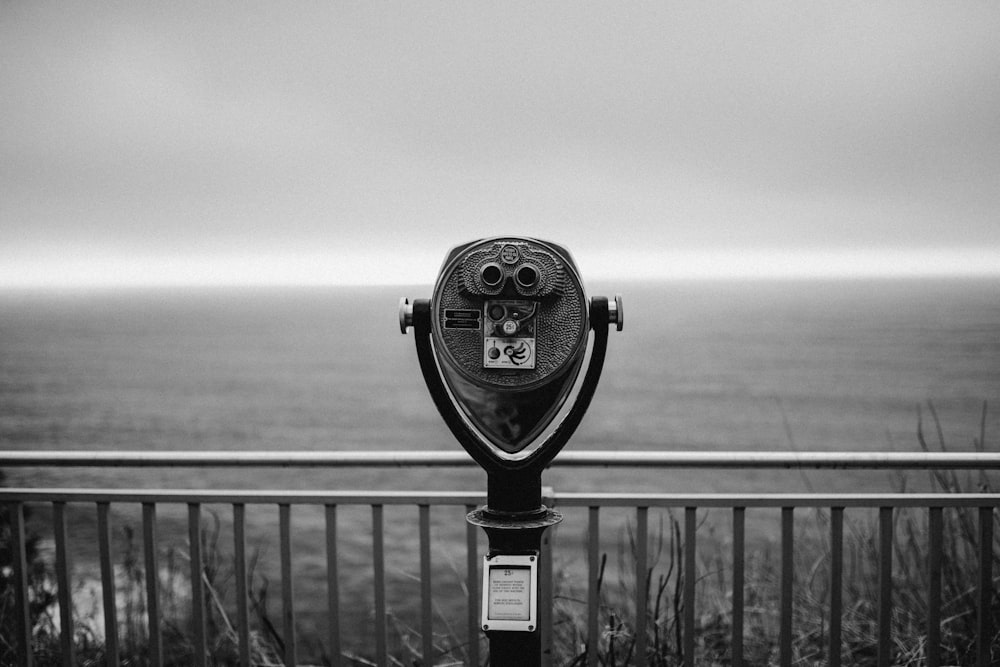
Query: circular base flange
(487, 518)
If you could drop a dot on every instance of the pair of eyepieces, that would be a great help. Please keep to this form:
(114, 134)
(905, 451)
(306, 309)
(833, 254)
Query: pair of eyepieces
(526, 275)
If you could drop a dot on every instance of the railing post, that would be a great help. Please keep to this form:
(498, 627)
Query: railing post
(332, 586)
(62, 579)
(378, 556)
(739, 554)
(836, 582)
(287, 585)
(787, 579)
(242, 594)
(690, 579)
(593, 584)
(641, 582)
(935, 528)
(197, 590)
(22, 616)
(426, 618)
(885, 587)
(984, 641)
(107, 584)
(152, 583)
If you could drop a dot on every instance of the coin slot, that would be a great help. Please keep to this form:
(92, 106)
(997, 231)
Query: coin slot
(461, 314)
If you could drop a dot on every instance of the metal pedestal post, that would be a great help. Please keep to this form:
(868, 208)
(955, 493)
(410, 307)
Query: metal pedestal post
(514, 520)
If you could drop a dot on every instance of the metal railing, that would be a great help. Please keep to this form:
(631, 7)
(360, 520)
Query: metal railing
(238, 500)
(985, 504)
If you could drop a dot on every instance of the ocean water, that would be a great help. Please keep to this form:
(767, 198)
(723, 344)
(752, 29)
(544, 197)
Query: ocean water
(700, 365)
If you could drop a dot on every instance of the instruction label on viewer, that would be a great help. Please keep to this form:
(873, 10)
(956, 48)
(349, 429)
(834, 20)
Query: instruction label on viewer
(509, 593)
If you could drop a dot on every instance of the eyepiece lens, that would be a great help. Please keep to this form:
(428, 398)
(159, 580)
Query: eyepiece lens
(526, 276)
(492, 275)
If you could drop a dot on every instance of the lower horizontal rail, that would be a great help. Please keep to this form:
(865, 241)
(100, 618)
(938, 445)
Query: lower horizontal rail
(728, 500)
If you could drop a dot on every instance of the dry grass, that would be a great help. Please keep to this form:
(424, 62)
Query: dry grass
(811, 586)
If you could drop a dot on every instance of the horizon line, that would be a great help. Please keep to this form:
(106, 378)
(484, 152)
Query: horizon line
(420, 266)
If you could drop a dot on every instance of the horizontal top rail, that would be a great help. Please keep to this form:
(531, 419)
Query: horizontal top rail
(587, 459)
(750, 500)
(467, 498)
(242, 496)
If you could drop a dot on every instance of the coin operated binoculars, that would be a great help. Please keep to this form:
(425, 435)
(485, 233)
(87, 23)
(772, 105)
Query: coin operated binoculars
(501, 344)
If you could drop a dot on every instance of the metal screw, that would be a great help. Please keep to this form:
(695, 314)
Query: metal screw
(486, 627)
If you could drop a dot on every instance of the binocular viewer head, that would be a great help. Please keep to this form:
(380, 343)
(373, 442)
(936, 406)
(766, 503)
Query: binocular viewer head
(509, 314)
(508, 322)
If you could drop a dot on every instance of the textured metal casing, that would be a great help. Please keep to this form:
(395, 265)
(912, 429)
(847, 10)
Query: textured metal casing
(561, 320)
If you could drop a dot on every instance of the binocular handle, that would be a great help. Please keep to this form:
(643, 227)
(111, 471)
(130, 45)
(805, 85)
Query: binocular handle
(405, 315)
(615, 313)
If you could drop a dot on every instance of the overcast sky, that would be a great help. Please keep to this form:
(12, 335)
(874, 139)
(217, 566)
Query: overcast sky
(310, 142)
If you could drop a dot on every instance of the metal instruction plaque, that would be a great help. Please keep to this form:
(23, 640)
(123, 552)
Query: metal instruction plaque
(510, 593)
(509, 353)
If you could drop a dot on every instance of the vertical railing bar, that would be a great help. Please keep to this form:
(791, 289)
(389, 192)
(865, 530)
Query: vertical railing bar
(197, 590)
(62, 581)
(641, 583)
(22, 621)
(426, 619)
(287, 585)
(935, 527)
(546, 587)
(108, 592)
(378, 556)
(836, 582)
(152, 583)
(690, 548)
(472, 586)
(593, 590)
(787, 576)
(242, 595)
(985, 640)
(546, 594)
(332, 586)
(739, 554)
(885, 587)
